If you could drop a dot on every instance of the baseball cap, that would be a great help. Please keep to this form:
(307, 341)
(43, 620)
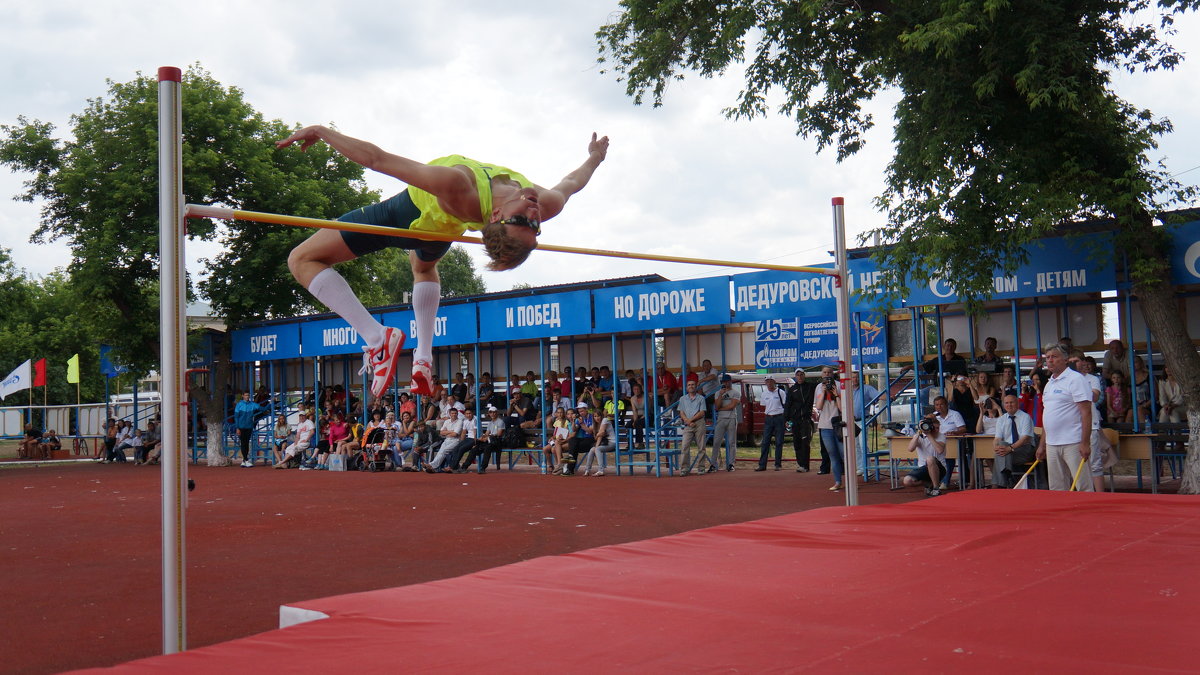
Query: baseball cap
(769, 378)
(727, 378)
(582, 405)
(492, 408)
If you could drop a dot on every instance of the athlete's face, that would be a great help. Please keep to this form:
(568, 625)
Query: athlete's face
(522, 215)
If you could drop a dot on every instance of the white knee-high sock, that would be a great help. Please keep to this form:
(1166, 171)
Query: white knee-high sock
(427, 295)
(330, 288)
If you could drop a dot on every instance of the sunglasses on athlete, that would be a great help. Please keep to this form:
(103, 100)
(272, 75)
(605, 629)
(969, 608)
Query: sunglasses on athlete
(523, 221)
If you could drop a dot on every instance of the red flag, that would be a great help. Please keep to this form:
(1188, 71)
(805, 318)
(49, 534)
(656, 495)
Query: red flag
(39, 373)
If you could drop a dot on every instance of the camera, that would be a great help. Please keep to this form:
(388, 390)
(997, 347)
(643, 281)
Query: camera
(829, 381)
(927, 425)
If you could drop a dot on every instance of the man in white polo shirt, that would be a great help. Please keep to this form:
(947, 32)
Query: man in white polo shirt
(1066, 422)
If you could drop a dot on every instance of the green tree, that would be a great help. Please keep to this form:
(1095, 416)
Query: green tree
(1007, 124)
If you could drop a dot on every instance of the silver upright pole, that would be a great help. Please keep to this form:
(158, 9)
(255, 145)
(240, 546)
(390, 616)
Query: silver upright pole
(173, 354)
(849, 452)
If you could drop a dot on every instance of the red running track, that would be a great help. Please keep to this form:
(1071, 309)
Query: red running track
(986, 581)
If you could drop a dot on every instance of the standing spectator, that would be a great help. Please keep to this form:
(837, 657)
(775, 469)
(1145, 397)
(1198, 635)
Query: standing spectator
(1170, 397)
(799, 413)
(727, 402)
(1014, 442)
(963, 401)
(952, 363)
(1031, 396)
(244, 416)
(826, 407)
(774, 403)
(989, 356)
(1067, 422)
(694, 430)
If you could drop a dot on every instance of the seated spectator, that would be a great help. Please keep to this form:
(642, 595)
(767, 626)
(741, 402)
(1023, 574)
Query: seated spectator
(491, 442)
(452, 433)
(465, 448)
(426, 441)
(436, 387)
(352, 443)
(930, 445)
(151, 443)
(1014, 443)
(530, 386)
(582, 438)
(281, 434)
(377, 406)
(300, 443)
(637, 405)
(407, 405)
(134, 443)
(1116, 360)
(514, 387)
(668, 386)
(590, 397)
(521, 413)
(564, 422)
(487, 392)
(29, 445)
(1170, 399)
(604, 382)
(708, 379)
(604, 443)
(556, 401)
(1140, 384)
(1117, 396)
(1008, 381)
(51, 443)
(458, 388)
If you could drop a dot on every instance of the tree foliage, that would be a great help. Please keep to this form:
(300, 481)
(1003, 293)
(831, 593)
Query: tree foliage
(1006, 127)
(42, 320)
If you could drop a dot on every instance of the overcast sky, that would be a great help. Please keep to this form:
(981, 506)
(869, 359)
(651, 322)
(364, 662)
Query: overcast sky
(511, 83)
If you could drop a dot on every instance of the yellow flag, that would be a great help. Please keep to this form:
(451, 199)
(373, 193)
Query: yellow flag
(73, 369)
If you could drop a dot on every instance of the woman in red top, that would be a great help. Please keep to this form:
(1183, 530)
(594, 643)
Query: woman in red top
(1031, 397)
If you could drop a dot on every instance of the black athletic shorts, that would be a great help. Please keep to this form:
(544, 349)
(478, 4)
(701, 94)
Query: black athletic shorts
(398, 212)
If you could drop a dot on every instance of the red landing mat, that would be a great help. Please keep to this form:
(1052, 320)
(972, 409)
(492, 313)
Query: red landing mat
(986, 581)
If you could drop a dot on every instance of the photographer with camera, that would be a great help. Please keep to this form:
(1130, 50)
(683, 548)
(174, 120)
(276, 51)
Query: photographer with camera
(826, 409)
(930, 445)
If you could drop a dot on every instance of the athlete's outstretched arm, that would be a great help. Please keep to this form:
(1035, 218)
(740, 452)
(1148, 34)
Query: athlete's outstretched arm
(442, 181)
(553, 200)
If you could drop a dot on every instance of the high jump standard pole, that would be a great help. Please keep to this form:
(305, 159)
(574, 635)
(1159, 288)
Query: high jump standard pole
(842, 265)
(173, 339)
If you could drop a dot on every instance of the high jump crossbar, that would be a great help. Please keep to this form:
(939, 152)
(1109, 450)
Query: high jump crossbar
(198, 211)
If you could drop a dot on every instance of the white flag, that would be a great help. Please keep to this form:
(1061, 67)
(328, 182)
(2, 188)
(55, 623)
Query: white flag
(17, 380)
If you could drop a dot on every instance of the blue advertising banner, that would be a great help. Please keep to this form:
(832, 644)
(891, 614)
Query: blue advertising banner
(455, 325)
(667, 304)
(536, 316)
(266, 343)
(1056, 266)
(759, 296)
(776, 344)
(329, 336)
(1185, 251)
(812, 341)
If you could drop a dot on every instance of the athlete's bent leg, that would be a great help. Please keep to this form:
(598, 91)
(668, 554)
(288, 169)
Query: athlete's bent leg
(312, 263)
(427, 295)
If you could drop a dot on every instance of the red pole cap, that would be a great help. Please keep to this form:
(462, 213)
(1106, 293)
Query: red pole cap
(837, 201)
(169, 74)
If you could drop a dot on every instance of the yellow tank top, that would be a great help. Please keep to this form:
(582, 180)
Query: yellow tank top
(434, 219)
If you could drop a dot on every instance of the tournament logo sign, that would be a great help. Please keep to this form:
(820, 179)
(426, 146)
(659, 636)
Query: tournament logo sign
(776, 344)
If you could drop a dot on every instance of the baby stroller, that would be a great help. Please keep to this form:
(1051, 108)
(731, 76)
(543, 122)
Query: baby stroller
(375, 454)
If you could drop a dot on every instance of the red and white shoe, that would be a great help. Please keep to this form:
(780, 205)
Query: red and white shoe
(422, 374)
(381, 361)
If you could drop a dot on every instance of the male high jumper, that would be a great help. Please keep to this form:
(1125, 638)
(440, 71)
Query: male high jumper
(448, 195)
